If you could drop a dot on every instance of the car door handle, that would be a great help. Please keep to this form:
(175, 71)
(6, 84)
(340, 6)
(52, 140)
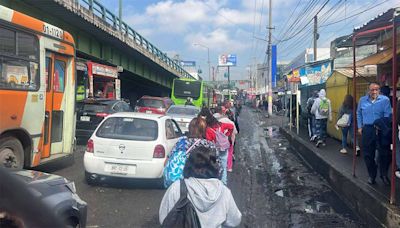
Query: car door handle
(13, 117)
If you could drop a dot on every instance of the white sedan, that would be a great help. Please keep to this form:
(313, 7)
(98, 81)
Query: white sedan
(183, 114)
(131, 145)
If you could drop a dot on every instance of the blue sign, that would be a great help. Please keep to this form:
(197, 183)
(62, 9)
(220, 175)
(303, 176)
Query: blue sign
(227, 60)
(273, 66)
(188, 63)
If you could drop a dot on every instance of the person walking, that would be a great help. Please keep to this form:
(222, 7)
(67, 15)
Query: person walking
(345, 122)
(176, 160)
(311, 117)
(212, 200)
(213, 133)
(322, 111)
(221, 117)
(371, 108)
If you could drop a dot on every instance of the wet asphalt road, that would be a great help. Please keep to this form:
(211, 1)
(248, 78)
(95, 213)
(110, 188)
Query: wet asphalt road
(271, 187)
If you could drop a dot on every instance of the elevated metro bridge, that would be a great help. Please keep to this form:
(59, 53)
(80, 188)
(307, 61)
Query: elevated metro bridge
(102, 38)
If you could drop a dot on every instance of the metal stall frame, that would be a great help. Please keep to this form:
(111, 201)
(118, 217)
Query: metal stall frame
(394, 99)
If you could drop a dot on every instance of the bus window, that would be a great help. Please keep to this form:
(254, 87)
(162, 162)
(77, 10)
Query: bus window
(184, 89)
(18, 74)
(7, 41)
(27, 46)
(48, 72)
(59, 75)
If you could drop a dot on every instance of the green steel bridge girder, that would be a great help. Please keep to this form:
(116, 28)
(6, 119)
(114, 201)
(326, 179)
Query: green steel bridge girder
(96, 49)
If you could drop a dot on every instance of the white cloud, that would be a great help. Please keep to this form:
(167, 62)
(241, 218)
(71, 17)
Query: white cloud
(219, 40)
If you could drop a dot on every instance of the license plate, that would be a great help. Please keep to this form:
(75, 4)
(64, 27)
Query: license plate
(120, 169)
(85, 118)
(149, 111)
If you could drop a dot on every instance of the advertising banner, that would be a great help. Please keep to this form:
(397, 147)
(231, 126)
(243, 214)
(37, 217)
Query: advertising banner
(227, 60)
(317, 74)
(273, 66)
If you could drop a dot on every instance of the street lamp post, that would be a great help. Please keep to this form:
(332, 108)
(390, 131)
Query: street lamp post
(208, 59)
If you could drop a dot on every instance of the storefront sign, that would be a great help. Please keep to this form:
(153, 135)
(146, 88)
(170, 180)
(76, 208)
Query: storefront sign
(117, 89)
(295, 76)
(103, 70)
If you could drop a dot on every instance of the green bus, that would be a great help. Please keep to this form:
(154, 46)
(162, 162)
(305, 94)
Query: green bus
(183, 88)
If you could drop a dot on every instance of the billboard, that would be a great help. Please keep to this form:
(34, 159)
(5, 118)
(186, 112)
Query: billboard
(227, 60)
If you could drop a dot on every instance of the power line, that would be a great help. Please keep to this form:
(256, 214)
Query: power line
(301, 30)
(355, 14)
(299, 17)
(290, 17)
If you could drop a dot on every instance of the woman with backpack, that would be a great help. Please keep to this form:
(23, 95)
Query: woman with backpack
(218, 133)
(345, 122)
(176, 160)
(200, 199)
(322, 111)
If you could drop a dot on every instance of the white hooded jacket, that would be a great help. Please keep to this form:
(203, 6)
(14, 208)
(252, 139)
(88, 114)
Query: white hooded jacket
(315, 107)
(212, 200)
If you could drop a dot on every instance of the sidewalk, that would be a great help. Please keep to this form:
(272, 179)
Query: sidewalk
(370, 202)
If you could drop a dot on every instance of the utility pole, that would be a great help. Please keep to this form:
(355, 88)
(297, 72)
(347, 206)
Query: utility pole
(269, 60)
(315, 37)
(120, 15)
(229, 85)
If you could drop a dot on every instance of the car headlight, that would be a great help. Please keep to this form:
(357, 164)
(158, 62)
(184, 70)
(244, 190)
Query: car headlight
(71, 186)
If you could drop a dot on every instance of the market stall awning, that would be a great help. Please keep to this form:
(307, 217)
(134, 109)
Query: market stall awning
(378, 58)
(360, 71)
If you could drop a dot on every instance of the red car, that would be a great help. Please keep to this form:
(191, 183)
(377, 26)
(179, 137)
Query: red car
(156, 105)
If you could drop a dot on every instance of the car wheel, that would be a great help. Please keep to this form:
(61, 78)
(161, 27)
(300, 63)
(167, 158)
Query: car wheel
(11, 153)
(90, 180)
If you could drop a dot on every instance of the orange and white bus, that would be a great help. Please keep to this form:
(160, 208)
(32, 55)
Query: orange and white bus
(37, 91)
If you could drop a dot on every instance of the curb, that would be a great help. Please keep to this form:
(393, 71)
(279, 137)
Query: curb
(374, 209)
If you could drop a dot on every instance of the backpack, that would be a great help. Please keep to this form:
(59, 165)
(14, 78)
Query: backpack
(173, 170)
(310, 103)
(323, 107)
(221, 140)
(183, 213)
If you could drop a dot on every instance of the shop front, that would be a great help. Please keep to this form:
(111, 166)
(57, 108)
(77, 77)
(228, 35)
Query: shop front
(103, 81)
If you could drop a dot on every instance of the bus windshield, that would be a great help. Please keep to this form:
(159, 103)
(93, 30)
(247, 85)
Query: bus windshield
(184, 89)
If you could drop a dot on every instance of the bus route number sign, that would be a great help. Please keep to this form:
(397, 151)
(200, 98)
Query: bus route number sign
(53, 31)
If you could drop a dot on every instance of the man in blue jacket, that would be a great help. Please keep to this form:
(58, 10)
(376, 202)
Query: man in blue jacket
(370, 108)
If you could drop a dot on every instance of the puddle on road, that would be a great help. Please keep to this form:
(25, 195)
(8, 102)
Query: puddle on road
(312, 207)
(271, 131)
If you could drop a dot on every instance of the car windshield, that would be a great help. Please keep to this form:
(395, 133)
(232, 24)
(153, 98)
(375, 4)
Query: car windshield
(183, 111)
(128, 128)
(151, 103)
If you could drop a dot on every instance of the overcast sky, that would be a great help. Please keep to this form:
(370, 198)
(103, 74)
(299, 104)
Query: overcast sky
(240, 26)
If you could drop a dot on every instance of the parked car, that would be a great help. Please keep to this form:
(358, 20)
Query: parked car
(183, 114)
(156, 105)
(90, 112)
(34, 190)
(130, 145)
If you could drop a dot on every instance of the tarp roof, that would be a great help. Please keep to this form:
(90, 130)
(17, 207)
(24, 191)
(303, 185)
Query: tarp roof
(348, 72)
(378, 58)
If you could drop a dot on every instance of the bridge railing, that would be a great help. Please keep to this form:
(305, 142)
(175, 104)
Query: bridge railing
(107, 16)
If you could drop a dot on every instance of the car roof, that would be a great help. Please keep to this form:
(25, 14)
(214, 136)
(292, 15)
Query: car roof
(155, 98)
(185, 106)
(99, 101)
(138, 115)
